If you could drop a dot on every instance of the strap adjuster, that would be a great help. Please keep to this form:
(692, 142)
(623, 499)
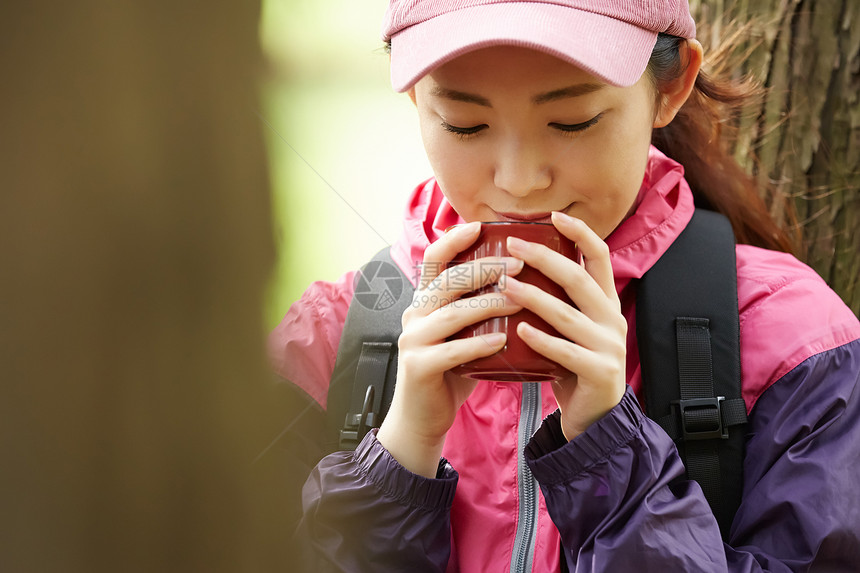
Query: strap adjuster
(701, 418)
(355, 426)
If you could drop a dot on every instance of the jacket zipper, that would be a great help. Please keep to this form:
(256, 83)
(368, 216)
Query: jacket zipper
(524, 543)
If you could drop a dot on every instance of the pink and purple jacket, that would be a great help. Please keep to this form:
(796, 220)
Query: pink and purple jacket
(512, 494)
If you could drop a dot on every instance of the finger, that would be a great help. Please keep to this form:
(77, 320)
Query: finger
(472, 275)
(458, 280)
(457, 315)
(608, 339)
(451, 354)
(570, 323)
(566, 319)
(581, 287)
(440, 253)
(586, 364)
(465, 350)
(594, 251)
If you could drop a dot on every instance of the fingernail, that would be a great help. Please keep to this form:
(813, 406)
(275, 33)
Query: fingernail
(509, 283)
(513, 265)
(516, 244)
(494, 338)
(526, 328)
(467, 228)
(559, 216)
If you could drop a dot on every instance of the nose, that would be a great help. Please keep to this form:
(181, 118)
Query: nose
(521, 168)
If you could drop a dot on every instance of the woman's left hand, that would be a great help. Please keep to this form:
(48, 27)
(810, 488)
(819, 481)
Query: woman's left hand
(594, 347)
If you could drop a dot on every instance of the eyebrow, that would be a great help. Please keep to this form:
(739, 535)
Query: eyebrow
(455, 95)
(575, 90)
(568, 92)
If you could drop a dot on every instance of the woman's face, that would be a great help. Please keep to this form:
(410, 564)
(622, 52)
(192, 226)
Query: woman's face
(514, 134)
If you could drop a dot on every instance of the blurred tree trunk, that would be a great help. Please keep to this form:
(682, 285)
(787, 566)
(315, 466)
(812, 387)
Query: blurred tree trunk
(805, 137)
(135, 245)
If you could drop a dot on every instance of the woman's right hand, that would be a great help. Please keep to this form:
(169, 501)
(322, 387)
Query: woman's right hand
(427, 395)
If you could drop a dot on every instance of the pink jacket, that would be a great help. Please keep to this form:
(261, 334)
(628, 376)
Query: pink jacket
(778, 332)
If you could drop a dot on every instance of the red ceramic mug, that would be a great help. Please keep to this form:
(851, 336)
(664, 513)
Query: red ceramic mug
(516, 361)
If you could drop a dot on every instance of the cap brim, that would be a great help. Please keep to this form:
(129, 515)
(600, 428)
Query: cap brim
(613, 51)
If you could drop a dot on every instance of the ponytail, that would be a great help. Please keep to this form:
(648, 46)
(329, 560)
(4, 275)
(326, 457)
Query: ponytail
(699, 138)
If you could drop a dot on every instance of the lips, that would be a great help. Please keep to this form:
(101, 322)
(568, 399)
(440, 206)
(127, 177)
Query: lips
(545, 217)
(533, 217)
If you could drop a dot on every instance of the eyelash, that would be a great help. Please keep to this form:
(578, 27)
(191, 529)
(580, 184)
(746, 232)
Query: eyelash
(577, 127)
(463, 132)
(469, 132)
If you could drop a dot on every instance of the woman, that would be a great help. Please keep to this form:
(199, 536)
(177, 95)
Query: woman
(546, 111)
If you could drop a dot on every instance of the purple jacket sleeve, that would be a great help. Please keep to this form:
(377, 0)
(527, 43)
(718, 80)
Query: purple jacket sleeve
(363, 511)
(615, 495)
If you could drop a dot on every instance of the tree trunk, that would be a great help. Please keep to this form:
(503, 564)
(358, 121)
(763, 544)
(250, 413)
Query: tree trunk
(804, 139)
(135, 244)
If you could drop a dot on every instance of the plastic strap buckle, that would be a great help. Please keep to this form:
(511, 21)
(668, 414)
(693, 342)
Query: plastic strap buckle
(356, 425)
(701, 418)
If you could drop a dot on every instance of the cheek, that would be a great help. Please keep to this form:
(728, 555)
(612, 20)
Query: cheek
(631, 159)
(458, 179)
(612, 166)
(458, 168)
(629, 147)
(610, 172)
(448, 166)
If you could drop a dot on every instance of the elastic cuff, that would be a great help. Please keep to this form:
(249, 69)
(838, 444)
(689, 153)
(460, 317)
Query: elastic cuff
(553, 459)
(395, 481)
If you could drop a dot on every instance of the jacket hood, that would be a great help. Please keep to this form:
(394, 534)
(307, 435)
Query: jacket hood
(664, 207)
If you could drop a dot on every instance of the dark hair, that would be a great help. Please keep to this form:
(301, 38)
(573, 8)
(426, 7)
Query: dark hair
(700, 138)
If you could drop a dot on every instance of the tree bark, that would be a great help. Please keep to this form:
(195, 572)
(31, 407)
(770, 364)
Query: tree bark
(804, 138)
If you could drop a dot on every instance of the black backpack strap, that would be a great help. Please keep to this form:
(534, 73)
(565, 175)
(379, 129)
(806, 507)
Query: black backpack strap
(362, 385)
(687, 308)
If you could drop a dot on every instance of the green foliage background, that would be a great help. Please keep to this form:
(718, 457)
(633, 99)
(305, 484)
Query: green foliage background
(344, 148)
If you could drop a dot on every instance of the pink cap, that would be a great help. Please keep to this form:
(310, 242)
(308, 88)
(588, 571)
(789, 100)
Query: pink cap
(610, 39)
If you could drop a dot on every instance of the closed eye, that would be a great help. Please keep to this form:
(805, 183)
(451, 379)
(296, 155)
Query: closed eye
(576, 127)
(463, 132)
